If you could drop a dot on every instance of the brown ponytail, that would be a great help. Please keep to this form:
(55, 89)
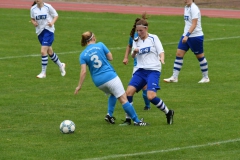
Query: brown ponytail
(144, 17)
(86, 37)
(34, 2)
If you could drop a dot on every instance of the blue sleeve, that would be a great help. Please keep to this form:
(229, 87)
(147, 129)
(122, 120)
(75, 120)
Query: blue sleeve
(105, 49)
(130, 41)
(81, 59)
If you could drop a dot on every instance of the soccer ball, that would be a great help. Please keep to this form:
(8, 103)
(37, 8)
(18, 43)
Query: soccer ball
(67, 126)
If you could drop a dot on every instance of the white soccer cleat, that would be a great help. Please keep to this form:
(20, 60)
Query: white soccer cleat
(170, 80)
(62, 69)
(204, 80)
(41, 75)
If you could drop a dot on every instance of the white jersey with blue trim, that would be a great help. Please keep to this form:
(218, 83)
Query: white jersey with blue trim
(191, 13)
(43, 16)
(149, 51)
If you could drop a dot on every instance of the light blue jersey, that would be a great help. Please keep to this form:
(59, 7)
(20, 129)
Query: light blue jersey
(130, 43)
(94, 56)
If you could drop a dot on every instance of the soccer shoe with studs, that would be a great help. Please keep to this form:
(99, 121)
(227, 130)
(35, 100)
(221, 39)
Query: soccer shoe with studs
(146, 108)
(171, 80)
(62, 69)
(204, 80)
(110, 119)
(127, 122)
(169, 117)
(41, 75)
(141, 123)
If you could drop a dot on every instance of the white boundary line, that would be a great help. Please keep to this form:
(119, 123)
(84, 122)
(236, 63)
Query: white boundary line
(166, 150)
(116, 48)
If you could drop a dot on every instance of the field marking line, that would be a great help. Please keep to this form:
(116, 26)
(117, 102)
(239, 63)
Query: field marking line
(116, 48)
(111, 19)
(166, 150)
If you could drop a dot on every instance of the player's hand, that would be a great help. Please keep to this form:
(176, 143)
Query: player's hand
(162, 60)
(50, 24)
(125, 61)
(184, 40)
(77, 89)
(35, 23)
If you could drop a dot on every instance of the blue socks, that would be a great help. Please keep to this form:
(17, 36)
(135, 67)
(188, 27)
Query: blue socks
(128, 108)
(111, 104)
(144, 95)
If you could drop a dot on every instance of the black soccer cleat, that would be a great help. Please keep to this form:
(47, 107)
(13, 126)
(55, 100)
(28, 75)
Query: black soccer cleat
(146, 108)
(169, 117)
(141, 123)
(110, 119)
(127, 122)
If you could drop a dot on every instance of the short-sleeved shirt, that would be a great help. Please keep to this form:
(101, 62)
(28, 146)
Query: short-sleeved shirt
(42, 16)
(94, 56)
(149, 50)
(191, 13)
(130, 43)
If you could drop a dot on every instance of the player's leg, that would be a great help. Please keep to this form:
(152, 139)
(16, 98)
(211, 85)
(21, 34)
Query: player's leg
(144, 95)
(152, 87)
(44, 56)
(111, 106)
(204, 68)
(178, 62)
(135, 85)
(196, 45)
(49, 38)
(129, 109)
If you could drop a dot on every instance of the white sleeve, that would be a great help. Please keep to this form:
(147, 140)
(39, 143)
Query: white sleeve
(31, 14)
(134, 45)
(52, 11)
(158, 45)
(195, 12)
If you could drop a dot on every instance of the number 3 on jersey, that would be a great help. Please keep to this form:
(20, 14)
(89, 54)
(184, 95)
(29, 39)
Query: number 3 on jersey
(97, 62)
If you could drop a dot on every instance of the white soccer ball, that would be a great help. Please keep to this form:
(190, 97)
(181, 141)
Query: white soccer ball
(67, 126)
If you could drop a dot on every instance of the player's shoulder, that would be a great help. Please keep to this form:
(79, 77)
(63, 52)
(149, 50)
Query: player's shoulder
(33, 7)
(47, 5)
(194, 6)
(152, 35)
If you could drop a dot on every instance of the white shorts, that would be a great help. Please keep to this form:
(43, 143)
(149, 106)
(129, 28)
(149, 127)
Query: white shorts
(114, 87)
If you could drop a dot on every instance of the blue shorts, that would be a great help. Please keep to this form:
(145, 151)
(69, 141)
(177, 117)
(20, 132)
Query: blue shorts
(194, 43)
(46, 38)
(145, 77)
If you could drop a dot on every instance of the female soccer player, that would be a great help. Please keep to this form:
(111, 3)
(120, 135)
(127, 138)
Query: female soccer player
(134, 34)
(43, 17)
(192, 38)
(96, 57)
(148, 49)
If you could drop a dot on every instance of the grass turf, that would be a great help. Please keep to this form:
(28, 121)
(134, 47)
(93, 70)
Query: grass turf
(32, 109)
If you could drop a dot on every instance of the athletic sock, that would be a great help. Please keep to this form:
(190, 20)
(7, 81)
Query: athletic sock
(178, 63)
(160, 104)
(44, 64)
(55, 59)
(111, 104)
(128, 108)
(203, 66)
(144, 95)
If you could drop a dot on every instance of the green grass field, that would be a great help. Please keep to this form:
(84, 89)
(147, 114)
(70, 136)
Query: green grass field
(206, 122)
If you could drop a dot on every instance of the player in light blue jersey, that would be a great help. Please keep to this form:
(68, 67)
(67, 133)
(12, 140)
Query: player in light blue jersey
(43, 17)
(96, 56)
(133, 35)
(148, 50)
(192, 38)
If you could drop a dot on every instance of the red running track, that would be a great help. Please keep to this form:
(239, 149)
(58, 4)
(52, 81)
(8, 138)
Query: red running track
(85, 7)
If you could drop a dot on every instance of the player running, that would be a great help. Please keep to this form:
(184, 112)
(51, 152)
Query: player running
(43, 17)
